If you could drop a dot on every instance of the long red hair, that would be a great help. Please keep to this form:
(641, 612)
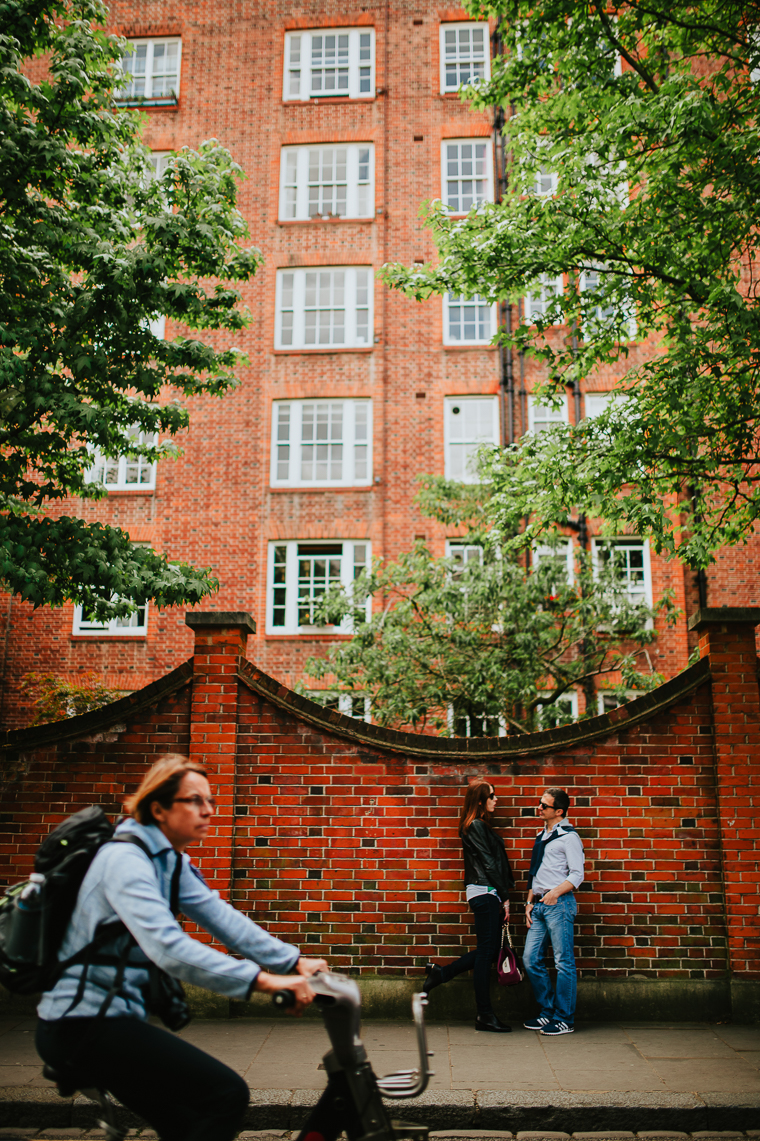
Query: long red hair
(474, 808)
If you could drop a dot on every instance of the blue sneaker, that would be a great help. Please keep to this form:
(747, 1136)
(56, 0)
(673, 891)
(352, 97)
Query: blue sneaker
(554, 1028)
(537, 1023)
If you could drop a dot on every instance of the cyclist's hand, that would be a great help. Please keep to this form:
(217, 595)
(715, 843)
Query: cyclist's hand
(308, 967)
(303, 993)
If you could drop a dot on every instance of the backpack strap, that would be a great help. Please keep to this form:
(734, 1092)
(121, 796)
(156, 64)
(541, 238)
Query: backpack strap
(107, 932)
(130, 838)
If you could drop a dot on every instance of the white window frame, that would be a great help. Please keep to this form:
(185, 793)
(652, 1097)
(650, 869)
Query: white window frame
(452, 465)
(454, 302)
(298, 75)
(486, 178)
(461, 59)
(290, 567)
(468, 552)
(122, 464)
(295, 185)
(586, 286)
(630, 541)
(158, 161)
(135, 626)
(344, 702)
(451, 721)
(595, 403)
(538, 422)
(630, 695)
(543, 175)
(565, 550)
(536, 301)
(293, 424)
(357, 334)
(569, 697)
(127, 95)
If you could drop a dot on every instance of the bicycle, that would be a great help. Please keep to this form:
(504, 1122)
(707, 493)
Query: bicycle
(353, 1098)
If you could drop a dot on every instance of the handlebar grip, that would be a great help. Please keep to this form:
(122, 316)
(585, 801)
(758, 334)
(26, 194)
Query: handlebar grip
(283, 999)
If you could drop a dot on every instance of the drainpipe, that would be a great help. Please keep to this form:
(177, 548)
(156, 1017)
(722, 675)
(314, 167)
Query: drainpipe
(506, 371)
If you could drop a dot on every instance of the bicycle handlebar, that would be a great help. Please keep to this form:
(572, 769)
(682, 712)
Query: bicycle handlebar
(283, 999)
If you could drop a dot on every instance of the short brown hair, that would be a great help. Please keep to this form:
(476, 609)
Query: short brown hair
(560, 798)
(160, 783)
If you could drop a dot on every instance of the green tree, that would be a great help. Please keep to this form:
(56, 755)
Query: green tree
(481, 638)
(92, 250)
(646, 116)
(55, 699)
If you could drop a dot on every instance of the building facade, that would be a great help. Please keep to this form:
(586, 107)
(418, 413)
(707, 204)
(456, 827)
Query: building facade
(345, 121)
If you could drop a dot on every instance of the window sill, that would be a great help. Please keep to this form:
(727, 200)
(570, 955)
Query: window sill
(130, 491)
(320, 221)
(110, 637)
(332, 349)
(454, 95)
(326, 637)
(468, 347)
(322, 487)
(165, 104)
(329, 99)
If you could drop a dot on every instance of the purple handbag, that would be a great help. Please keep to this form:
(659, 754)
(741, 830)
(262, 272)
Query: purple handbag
(507, 967)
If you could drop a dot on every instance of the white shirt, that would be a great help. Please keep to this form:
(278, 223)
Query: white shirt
(563, 860)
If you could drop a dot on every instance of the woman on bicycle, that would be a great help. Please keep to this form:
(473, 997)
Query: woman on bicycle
(93, 1027)
(488, 880)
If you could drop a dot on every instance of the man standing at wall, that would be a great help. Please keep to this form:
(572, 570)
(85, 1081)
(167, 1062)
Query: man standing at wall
(556, 872)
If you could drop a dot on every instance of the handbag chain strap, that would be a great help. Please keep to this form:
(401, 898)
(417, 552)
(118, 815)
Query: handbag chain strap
(505, 935)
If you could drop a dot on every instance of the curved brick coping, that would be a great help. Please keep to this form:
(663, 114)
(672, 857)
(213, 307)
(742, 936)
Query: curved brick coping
(97, 720)
(476, 748)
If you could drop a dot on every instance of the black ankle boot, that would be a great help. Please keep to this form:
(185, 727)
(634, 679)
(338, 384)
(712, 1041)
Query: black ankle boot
(433, 979)
(492, 1023)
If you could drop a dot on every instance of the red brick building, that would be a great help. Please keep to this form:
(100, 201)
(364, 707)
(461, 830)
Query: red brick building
(345, 121)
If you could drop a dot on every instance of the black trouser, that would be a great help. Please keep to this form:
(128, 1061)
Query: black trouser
(487, 912)
(184, 1094)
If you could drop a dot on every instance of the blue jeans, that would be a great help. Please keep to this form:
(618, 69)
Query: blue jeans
(553, 924)
(487, 912)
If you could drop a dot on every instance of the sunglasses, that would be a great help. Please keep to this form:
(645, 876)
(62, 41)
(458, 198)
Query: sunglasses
(196, 801)
(542, 806)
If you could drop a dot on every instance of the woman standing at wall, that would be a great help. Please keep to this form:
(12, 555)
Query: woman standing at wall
(488, 879)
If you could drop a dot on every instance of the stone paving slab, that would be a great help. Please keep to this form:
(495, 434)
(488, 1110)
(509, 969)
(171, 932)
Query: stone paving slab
(620, 1078)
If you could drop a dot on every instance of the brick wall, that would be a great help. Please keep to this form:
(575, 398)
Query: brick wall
(341, 836)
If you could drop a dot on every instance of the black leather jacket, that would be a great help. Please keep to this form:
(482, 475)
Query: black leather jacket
(485, 861)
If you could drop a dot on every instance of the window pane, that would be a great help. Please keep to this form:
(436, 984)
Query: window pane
(279, 590)
(136, 65)
(322, 443)
(329, 65)
(165, 69)
(464, 55)
(469, 319)
(466, 184)
(545, 416)
(315, 575)
(294, 67)
(469, 424)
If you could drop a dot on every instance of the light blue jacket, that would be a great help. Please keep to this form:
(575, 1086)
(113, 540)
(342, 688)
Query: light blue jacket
(124, 883)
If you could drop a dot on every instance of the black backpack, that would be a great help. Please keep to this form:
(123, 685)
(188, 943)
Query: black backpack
(34, 914)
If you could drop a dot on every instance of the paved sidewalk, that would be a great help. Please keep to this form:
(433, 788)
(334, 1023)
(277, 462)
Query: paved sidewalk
(634, 1076)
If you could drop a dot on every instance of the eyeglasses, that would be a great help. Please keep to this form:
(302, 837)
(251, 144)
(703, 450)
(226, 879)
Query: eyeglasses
(196, 801)
(542, 806)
